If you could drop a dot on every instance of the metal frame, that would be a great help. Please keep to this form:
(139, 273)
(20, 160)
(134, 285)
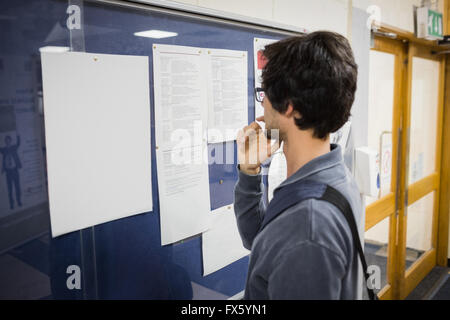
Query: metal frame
(206, 14)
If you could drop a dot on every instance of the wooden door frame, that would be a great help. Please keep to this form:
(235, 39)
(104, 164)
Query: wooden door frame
(387, 206)
(444, 201)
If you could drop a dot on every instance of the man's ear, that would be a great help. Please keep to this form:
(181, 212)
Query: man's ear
(291, 112)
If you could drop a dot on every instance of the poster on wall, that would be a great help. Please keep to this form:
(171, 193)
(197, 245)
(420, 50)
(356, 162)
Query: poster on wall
(386, 164)
(22, 178)
(260, 62)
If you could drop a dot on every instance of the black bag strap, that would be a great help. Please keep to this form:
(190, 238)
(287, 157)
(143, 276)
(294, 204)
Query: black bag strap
(334, 197)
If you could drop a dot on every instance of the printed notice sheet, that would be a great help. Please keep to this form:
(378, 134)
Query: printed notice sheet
(222, 244)
(228, 92)
(180, 129)
(180, 95)
(97, 123)
(183, 193)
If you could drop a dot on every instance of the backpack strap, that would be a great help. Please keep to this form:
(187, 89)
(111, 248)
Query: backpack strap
(336, 198)
(292, 194)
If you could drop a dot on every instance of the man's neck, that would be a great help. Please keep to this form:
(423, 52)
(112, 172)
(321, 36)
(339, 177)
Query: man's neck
(300, 148)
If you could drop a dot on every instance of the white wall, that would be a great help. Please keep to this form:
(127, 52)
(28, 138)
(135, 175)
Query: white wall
(258, 9)
(309, 14)
(397, 13)
(313, 15)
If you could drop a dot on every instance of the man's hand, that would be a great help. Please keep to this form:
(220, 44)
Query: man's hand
(254, 147)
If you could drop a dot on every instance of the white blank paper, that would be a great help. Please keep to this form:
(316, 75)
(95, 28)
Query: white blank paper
(222, 244)
(277, 172)
(97, 123)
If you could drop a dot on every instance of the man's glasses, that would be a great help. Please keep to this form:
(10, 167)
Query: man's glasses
(259, 94)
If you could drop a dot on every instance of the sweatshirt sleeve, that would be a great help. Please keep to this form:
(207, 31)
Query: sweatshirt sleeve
(307, 271)
(248, 206)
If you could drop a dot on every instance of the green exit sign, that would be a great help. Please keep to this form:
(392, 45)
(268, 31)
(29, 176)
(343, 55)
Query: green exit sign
(429, 24)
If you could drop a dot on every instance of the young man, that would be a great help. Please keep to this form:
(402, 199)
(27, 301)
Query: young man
(306, 251)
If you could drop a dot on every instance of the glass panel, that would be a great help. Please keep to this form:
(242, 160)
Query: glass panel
(121, 259)
(376, 241)
(380, 113)
(424, 106)
(419, 228)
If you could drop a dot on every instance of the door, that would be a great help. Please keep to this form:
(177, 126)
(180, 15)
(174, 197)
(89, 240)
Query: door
(420, 169)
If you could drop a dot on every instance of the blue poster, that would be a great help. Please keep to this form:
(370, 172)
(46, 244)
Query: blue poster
(22, 178)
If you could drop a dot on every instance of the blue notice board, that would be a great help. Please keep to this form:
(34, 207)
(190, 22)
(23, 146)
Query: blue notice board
(122, 259)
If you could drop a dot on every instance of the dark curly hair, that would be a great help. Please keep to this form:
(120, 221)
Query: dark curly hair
(317, 74)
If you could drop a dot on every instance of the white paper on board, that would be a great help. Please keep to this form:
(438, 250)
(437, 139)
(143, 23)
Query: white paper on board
(341, 136)
(180, 129)
(180, 96)
(259, 63)
(277, 172)
(183, 183)
(222, 244)
(97, 123)
(228, 91)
